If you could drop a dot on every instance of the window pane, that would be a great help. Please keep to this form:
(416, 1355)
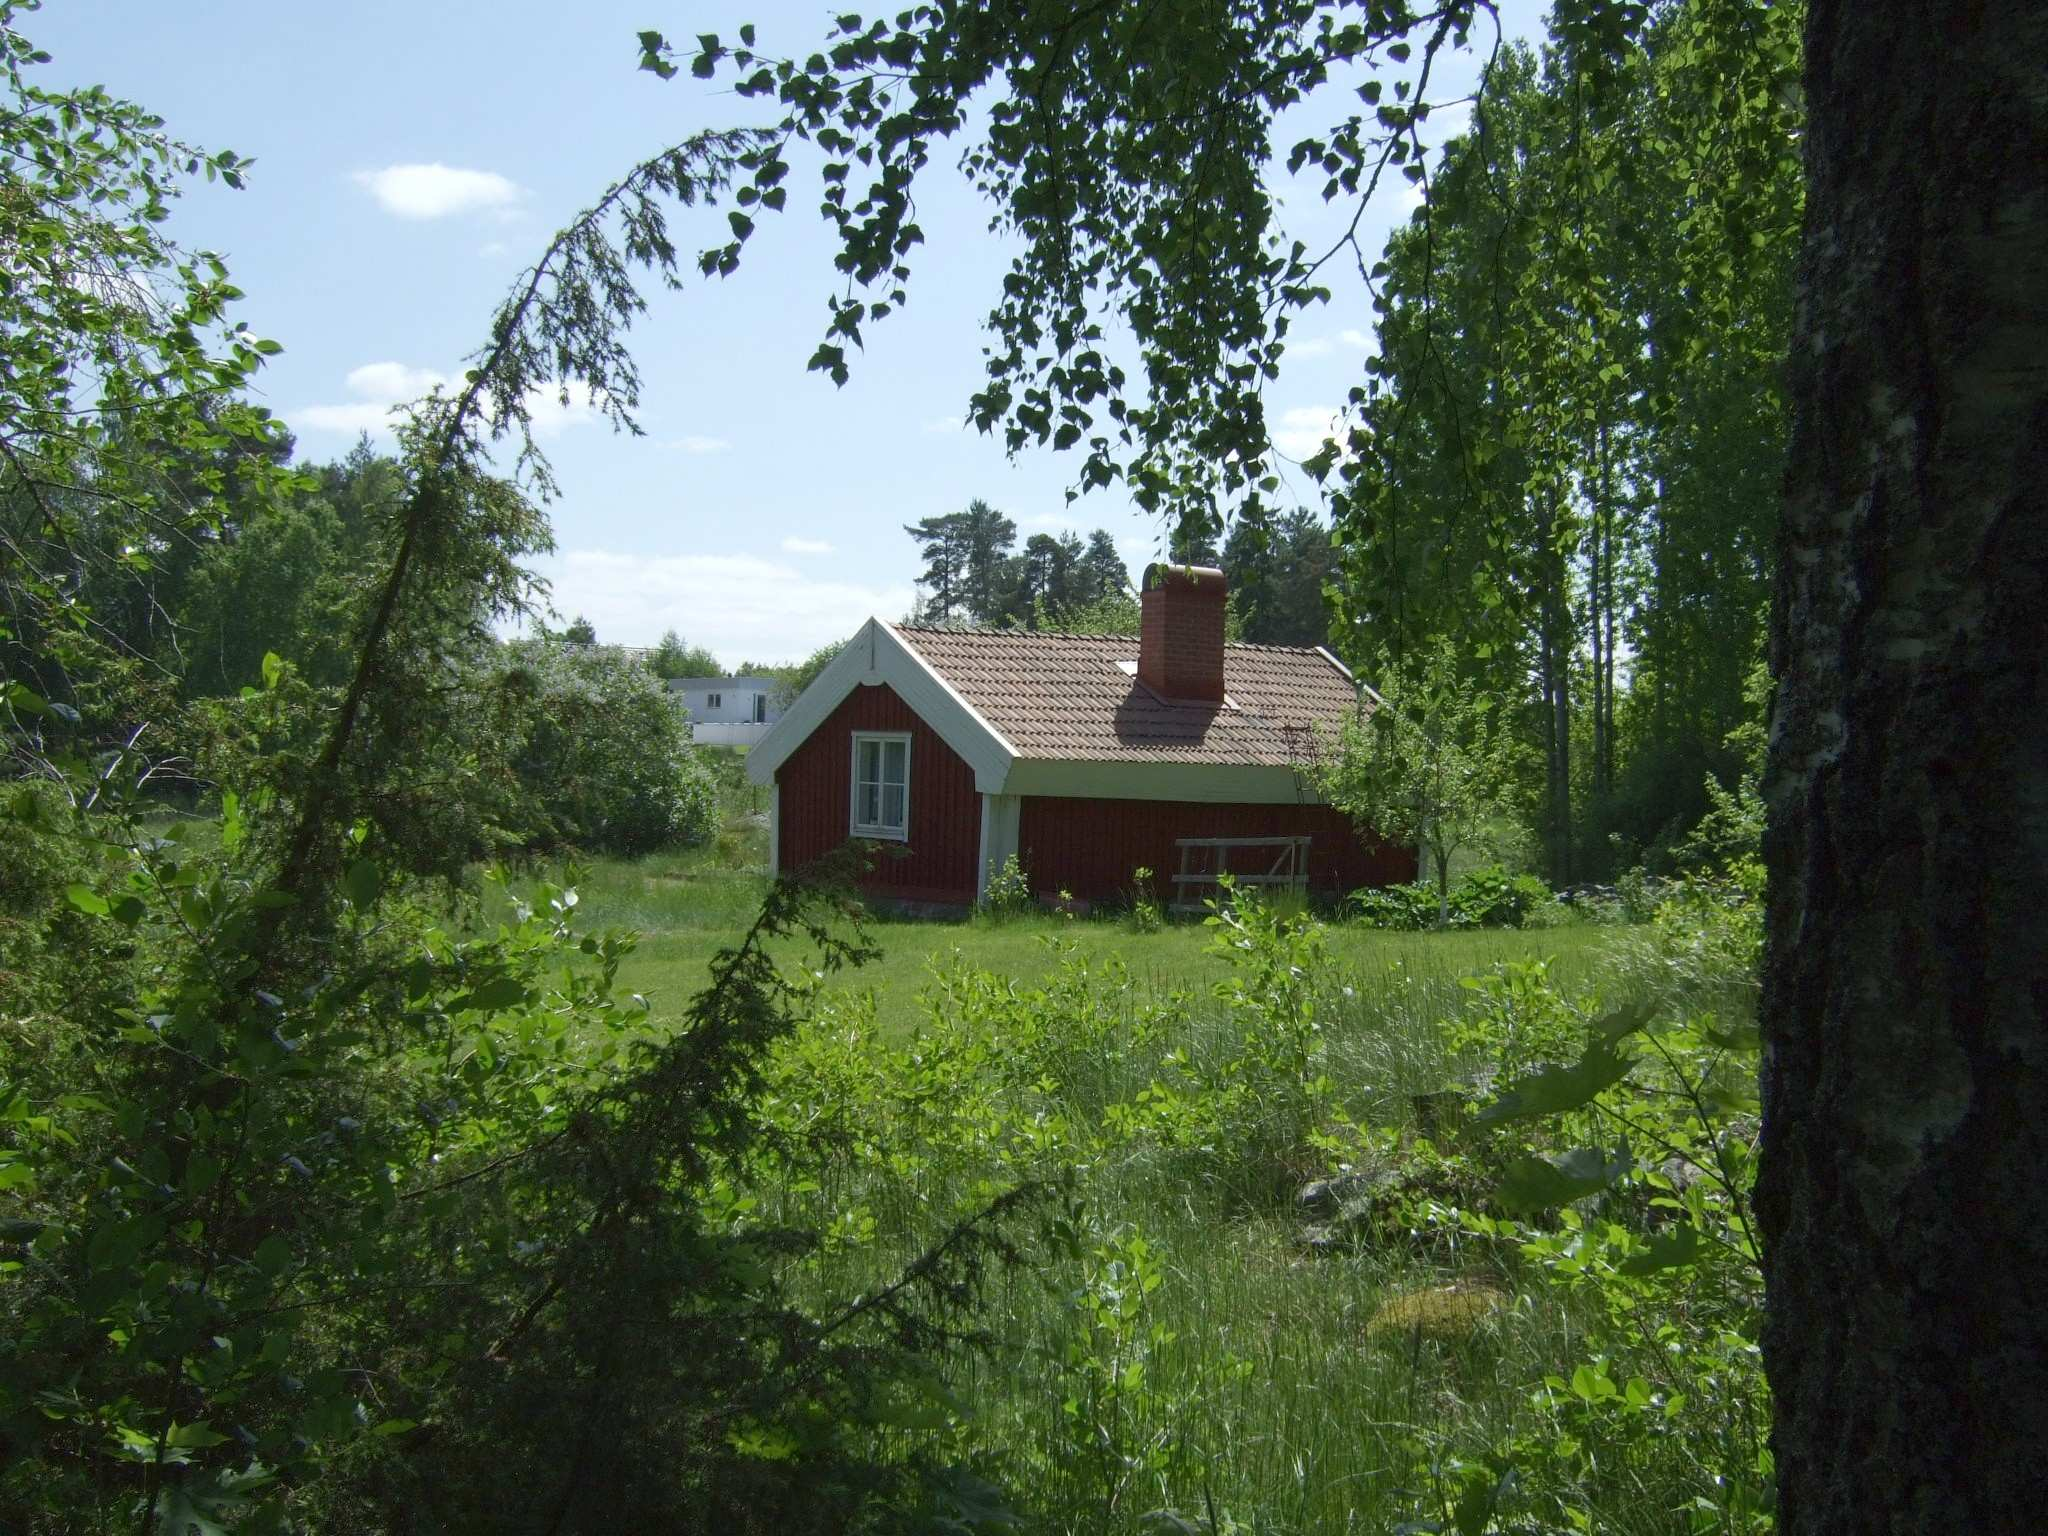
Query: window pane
(894, 757)
(892, 805)
(870, 804)
(865, 761)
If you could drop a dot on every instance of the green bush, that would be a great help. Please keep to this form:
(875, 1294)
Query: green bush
(1146, 914)
(603, 754)
(1009, 890)
(1484, 898)
(1400, 908)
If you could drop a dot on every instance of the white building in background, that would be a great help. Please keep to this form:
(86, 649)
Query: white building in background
(727, 711)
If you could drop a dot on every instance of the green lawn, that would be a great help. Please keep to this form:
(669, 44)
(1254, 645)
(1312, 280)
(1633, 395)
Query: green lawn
(686, 906)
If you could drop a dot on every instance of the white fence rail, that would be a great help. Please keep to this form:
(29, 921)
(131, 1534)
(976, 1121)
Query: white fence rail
(723, 733)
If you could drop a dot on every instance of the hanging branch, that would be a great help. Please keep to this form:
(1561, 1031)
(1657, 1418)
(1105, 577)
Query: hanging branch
(563, 330)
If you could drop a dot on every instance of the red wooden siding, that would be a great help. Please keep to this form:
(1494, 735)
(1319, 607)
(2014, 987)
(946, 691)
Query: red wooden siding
(815, 800)
(1090, 847)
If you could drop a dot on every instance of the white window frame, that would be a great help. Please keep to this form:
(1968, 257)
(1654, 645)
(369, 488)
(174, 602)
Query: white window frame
(881, 833)
(714, 700)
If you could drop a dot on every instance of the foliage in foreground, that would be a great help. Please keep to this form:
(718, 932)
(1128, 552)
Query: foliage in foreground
(1527, 1299)
(449, 1230)
(323, 1212)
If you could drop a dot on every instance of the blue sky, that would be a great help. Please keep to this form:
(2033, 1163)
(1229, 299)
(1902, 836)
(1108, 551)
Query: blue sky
(411, 158)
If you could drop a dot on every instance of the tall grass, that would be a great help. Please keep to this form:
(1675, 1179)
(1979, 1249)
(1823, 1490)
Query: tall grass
(1175, 1355)
(1250, 1388)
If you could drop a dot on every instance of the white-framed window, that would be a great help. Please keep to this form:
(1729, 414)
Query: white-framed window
(881, 784)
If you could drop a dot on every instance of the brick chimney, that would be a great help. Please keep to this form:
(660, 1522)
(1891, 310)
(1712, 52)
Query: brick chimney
(1180, 636)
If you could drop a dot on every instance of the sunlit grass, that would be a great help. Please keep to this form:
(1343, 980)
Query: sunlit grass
(687, 905)
(1300, 1390)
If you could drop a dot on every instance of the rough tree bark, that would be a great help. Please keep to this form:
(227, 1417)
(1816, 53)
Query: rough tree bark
(1904, 1183)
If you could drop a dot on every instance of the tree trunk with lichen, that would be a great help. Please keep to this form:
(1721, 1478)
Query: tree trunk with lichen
(1904, 1185)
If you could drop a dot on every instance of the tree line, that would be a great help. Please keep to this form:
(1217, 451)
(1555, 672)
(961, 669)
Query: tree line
(554, 741)
(973, 573)
(1566, 454)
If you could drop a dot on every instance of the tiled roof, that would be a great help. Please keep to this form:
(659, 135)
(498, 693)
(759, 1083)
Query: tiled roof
(1075, 698)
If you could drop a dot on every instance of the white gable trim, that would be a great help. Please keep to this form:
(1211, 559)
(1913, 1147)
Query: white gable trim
(874, 656)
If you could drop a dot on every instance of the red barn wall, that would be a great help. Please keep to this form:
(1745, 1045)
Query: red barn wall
(1090, 847)
(814, 800)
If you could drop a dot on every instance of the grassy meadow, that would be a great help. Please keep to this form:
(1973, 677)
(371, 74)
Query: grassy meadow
(1181, 1344)
(686, 905)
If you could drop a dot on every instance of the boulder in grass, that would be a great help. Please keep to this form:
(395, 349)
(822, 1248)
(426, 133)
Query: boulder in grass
(1346, 1194)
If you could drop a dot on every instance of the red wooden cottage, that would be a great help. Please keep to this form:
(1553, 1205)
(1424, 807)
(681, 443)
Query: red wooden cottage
(1085, 756)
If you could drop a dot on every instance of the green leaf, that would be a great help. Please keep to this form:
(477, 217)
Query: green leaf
(1590, 1384)
(1554, 1089)
(273, 669)
(763, 1442)
(1672, 1249)
(503, 992)
(1623, 1022)
(1533, 1183)
(1481, 1502)
(363, 882)
(273, 1254)
(23, 701)
(1744, 1038)
(194, 1437)
(87, 900)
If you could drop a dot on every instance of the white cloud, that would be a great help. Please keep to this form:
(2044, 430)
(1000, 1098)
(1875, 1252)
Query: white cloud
(1323, 346)
(554, 409)
(796, 546)
(393, 382)
(1449, 120)
(350, 419)
(378, 387)
(1047, 520)
(740, 606)
(694, 443)
(1299, 433)
(434, 191)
